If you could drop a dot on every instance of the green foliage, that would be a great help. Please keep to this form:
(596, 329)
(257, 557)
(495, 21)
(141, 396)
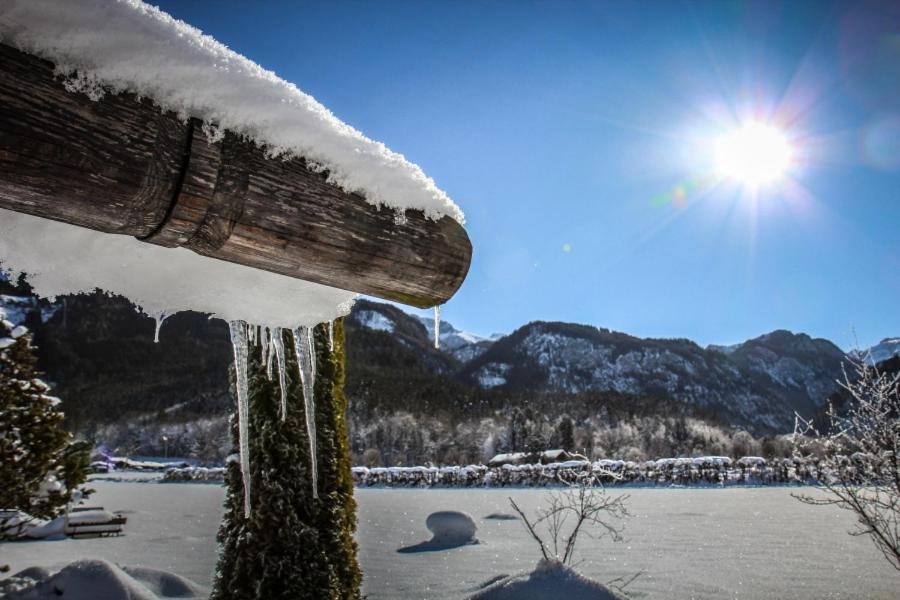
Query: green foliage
(292, 546)
(40, 466)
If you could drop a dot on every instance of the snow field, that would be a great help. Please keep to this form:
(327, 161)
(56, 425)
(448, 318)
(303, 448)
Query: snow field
(693, 543)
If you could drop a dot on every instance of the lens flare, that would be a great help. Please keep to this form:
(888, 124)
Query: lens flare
(756, 154)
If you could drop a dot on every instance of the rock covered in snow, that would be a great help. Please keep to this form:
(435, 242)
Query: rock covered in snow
(550, 580)
(451, 527)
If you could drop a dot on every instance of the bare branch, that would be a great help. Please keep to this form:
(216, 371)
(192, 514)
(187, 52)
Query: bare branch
(856, 457)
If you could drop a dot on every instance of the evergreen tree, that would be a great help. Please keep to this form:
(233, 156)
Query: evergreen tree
(518, 430)
(565, 434)
(40, 467)
(293, 546)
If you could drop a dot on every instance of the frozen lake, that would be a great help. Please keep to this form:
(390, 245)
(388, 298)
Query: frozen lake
(691, 543)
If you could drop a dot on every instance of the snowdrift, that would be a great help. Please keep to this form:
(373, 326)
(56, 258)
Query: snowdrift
(94, 579)
(550, 580)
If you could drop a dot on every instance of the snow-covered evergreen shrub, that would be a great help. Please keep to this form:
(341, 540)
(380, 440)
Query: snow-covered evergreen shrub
(293, 545)
(40, 465)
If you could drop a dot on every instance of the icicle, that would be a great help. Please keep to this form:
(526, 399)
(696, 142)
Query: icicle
(263, 344)
(306, 361)
(159, 321)
(437, 327)
(312, 359)
(239, 342)
(270, 358)
(331, 336)
(278, 342)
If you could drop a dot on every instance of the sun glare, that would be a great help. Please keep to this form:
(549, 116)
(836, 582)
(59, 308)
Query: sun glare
(756, 154)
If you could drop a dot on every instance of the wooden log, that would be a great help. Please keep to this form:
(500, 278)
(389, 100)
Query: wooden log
(120, 165)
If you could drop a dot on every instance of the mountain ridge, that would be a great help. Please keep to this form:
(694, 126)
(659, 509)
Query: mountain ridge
(757, 384)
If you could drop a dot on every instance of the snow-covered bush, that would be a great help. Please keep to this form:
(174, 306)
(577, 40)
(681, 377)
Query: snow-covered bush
(40, 466)
(859, 464)
(583, 508)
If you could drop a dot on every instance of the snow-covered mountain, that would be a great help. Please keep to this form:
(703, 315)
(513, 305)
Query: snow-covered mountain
(793, 366)
(882, 351)
(759, 383)
(101, 353)
(463, 345)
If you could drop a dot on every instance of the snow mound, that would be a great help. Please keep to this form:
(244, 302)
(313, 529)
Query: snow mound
(451, 527)
(127, 45)
(550, 580)
(94, 579)
(165, 584)
(499, 516)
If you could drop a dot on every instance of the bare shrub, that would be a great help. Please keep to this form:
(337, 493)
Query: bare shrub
(858, 457)
(581, 508)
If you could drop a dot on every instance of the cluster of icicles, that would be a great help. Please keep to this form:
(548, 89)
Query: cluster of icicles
(272, 347)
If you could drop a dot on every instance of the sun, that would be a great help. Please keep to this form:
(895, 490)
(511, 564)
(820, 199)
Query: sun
(756, 154)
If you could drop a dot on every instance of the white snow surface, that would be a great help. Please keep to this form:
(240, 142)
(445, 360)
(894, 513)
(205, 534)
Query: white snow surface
(750, 543)
(61, 259)
(127, 45)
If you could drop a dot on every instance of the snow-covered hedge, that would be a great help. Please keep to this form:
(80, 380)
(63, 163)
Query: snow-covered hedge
(189, 474)
(702, 470)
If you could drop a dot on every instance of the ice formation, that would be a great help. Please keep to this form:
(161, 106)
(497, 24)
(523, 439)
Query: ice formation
(270, 357)
(239, 342)
(278, 343)
(121, 45)
(304, 346)
(331, 336)
(159, 318)
(264, 344)
(437, 327)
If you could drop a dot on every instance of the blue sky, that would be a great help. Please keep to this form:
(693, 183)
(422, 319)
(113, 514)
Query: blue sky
(576, 136)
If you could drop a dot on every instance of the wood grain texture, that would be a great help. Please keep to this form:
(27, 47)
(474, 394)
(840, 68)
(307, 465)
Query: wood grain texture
(120, 165)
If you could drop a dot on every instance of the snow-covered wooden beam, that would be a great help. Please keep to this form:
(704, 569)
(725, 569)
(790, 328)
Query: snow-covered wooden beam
(122, 166)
